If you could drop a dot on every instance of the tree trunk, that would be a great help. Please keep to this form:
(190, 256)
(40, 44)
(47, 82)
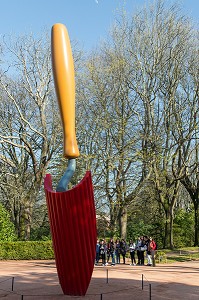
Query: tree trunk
(171, 229)
(28, 221)
(166, 232)
(123, 222)
(112, 225)
(168, 239)
(196, 223)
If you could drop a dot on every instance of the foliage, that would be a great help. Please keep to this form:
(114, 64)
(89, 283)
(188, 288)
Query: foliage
(146, 217)
(40, 230)
(41, 233)
(138, 228)
(102, 226)
(26, 250)
(184, 228)
(7, 230)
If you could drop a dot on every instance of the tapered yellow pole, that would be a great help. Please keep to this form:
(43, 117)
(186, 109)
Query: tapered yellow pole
(64, 79)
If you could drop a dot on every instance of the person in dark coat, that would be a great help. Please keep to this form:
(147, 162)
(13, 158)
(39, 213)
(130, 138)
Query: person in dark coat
(111, 252)
(103, 252)
(123, 249)
(117, 251)
(97, 258)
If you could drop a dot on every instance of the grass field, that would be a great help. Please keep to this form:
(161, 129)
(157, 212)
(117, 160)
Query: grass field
(177, 255)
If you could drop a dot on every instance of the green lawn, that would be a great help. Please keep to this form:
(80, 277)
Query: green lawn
(177, 255)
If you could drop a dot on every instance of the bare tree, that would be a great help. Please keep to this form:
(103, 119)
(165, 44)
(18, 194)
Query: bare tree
(29, 127)
(186, 131)
(159, 41)
(109, 139)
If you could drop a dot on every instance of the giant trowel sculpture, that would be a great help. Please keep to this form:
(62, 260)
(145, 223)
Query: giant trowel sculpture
(71, 212)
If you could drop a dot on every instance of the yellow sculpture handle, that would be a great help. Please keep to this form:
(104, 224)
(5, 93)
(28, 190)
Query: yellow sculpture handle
(64, 79)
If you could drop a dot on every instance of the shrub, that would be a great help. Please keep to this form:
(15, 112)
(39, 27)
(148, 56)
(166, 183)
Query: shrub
(26, 250)
(7, 230)
(161, 256)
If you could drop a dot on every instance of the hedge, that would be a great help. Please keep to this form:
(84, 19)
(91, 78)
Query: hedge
(26, 250)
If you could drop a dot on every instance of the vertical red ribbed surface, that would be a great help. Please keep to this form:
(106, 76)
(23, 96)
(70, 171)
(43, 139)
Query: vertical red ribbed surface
(73, 227)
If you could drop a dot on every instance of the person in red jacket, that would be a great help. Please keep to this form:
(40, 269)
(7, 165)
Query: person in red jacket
(153, 248)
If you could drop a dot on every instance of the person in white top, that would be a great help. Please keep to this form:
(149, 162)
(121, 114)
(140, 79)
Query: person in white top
(132, 247)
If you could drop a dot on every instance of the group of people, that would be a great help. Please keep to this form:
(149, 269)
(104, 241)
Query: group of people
(144, 247)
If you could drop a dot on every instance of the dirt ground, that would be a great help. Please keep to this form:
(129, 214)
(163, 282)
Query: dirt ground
(30, 280)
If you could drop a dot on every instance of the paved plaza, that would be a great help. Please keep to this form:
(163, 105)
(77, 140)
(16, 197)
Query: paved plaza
(28, 280)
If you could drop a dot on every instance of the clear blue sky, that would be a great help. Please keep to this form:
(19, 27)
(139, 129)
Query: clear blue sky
(87, 21)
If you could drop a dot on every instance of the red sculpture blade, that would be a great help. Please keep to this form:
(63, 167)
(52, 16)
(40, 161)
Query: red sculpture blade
(73, 227)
